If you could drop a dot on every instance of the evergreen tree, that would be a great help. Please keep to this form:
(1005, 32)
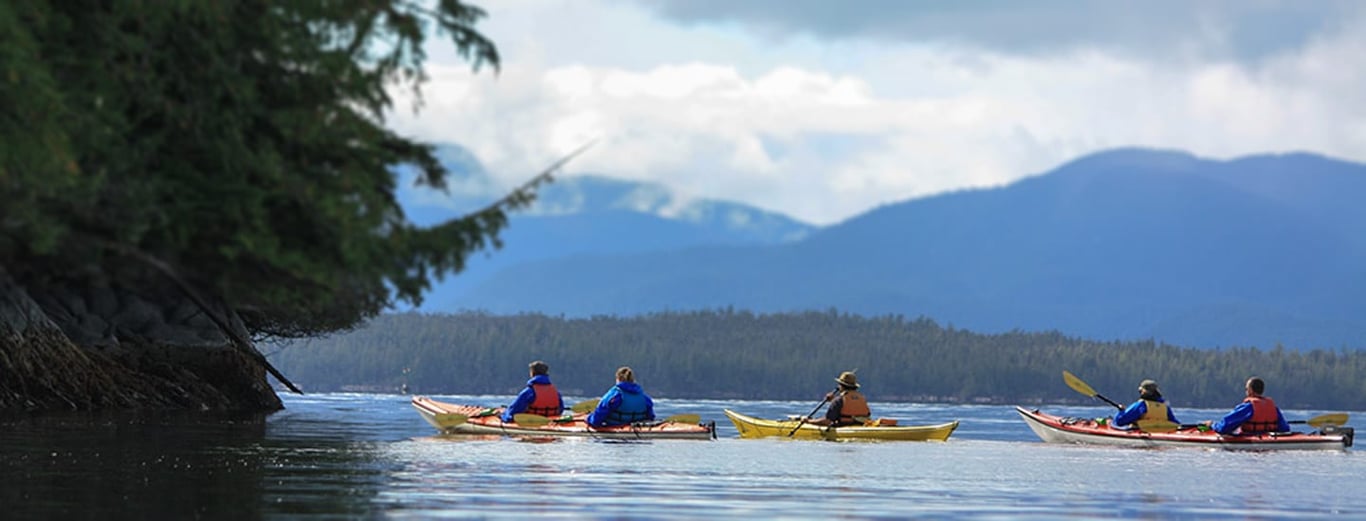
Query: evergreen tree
(240, 145)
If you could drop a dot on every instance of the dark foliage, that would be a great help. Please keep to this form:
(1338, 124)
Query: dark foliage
(239, 143)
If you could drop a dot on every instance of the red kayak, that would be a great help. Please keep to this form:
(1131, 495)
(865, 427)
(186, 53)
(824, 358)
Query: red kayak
(452, 418)
(1060, 429)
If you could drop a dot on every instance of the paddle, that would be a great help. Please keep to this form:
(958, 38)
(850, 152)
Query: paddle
(526, 419)
(1079, 386)
(1317, 422)
(684, 418)
(450, 419)
(1322, 420)
(1160, 426)
(585, 406)
(828, 397)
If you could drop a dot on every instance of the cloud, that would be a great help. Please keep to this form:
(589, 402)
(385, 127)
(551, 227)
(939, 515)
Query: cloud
(822, 131)
(1242, 31)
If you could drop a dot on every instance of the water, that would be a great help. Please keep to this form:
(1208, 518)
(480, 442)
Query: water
(357, 456)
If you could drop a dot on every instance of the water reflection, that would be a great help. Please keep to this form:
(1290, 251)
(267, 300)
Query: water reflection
(369, 456)
(129, 465)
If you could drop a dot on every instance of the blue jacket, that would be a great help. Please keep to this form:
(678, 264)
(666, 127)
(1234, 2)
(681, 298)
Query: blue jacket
(527, 396)
(1242, 413)
(1136, 410)
(624, 403)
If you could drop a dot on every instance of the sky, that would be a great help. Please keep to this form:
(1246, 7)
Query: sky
(824, 110)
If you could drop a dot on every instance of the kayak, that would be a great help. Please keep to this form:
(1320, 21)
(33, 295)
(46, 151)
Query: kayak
(1059, 429)
(452, 418)
(751, 427)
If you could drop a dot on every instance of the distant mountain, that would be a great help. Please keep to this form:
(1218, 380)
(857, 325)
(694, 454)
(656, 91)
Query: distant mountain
(1124, 244)
(582, 214)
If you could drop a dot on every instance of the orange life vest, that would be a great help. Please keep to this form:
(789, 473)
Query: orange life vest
(547, 402)
(1157, 411)
(1263, 415)
(854, 409)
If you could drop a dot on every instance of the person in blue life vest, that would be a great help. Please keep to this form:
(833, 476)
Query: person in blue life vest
(1149, 407)
(1257, 414)
(625, 403)
(848, 405)
(539, 397)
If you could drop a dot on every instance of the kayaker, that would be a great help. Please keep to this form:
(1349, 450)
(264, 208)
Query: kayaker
(539, 397)
(1257, 413)
(848, 406)
(624, 403)
(1149, 407)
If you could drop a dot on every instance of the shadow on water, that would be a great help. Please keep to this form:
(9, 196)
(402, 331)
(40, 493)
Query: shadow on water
(174, 466)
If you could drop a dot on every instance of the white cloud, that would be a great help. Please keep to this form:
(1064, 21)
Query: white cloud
(825, 130)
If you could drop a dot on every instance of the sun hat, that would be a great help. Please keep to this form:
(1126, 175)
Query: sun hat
(1148, 386)
(848, 379)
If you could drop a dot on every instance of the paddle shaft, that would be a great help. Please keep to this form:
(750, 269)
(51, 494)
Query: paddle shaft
(1109, 401)
(827, 399)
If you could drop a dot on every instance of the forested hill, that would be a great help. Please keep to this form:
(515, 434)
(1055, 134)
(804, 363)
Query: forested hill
(727, 354)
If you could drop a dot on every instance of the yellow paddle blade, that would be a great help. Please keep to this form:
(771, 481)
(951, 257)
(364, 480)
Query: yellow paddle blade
(1157, 426)
(527, 419)
(684, 418)
(1077, 385)
(585, 406)
(450, 419)
(1320, 421)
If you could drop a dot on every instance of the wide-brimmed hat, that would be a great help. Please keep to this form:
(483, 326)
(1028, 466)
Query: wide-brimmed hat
(1148, 386)
(848, 379)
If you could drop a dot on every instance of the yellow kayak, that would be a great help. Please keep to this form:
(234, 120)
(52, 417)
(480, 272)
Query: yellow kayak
(751, 427)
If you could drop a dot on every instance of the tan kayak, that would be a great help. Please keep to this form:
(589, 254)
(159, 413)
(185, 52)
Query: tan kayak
(453, 418)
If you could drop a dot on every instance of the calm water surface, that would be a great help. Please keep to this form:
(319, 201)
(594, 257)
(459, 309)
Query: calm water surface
(331, 456)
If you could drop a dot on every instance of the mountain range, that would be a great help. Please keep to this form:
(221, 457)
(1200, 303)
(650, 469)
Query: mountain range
(578, 215)
(1123, 244)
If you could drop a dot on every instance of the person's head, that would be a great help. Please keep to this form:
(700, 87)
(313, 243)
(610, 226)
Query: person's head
(624, 374)
(539, 368)
(847, 380)
(1255, 386)
(1147, 390)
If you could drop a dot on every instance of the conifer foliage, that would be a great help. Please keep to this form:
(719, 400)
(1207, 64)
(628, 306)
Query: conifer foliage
(240, 143)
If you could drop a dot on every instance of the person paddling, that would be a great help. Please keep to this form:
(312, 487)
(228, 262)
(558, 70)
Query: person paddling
(1150, 407)
(848, 406)
(539, 397)
(1257, 414)
(625, 403)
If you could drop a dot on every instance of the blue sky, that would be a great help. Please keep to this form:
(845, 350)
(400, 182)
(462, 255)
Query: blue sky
(822, 110)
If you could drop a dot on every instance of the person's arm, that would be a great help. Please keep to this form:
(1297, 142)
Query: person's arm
(836, 407)
(1281, 424)
(649, 408)
(1171, 416)
(598, 417)
(1235, 418)
(1131, 414)
(524, 399)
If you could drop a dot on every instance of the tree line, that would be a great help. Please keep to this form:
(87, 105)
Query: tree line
(730, 354)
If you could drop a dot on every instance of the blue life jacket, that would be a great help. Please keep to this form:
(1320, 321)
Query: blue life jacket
(624, 403)
(635, 407)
